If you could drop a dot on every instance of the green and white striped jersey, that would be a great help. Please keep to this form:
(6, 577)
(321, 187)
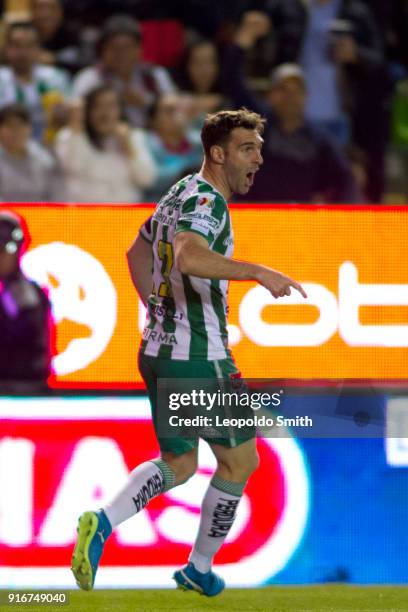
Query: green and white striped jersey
(187, 315)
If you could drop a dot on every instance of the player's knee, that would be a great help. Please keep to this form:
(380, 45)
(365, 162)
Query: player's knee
(239, 469)
(186, 470)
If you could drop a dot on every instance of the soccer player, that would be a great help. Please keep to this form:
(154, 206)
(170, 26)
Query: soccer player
(184, 252)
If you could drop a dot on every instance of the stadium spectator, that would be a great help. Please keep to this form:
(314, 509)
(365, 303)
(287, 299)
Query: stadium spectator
(173, 143)
(212, 19)
(202, 16)
(300, 163)
(28, 172)
(199, 75)
(332, 40)
(397, 186)
(340, 46)
(328, 44)
(59, 42)
(24, 317)
(392, 23)
(103, 158)
(40, 88)
(119, 65)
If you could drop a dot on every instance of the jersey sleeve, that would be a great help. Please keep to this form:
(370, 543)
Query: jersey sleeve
(203, 214)
(146, 231)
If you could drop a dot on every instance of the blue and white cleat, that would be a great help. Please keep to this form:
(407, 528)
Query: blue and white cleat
(190, 579)
(93, 530)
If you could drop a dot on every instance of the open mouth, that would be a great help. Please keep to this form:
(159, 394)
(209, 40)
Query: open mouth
(250, 177)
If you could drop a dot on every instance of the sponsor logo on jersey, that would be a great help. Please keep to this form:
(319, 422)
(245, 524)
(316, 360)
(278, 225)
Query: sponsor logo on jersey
(157, 336)
(170, 199)
(206, 200)
(162, 312)
(202, 219)
(165, 219)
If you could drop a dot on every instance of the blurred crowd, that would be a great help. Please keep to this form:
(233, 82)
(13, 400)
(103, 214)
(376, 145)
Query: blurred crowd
(103, 101)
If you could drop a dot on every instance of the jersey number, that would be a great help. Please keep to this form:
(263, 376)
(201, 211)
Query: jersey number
(165, 252)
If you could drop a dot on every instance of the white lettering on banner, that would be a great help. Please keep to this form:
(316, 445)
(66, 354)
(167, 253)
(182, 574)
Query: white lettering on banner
(250, 567)
(16, 491)
(353, 294)
(234, 334)
(94, 474)
(92, 487)
(342, 316)
(81, 292)
(274, 334)
(81, 488)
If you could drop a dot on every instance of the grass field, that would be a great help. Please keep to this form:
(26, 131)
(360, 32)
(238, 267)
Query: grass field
(332, 598)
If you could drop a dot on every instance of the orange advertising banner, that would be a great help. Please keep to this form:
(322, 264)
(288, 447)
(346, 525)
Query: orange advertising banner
(352, 262)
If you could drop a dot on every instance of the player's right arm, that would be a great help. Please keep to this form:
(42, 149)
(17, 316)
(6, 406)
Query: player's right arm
(140, 262)
(194, 257)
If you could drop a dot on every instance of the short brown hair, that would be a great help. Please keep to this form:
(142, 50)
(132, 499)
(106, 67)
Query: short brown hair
(14, 111)
(218, 126)
(26, 25)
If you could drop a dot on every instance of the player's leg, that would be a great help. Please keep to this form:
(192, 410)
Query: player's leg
(218, 510)
(235, 466)
(178, 461)
(146, 481)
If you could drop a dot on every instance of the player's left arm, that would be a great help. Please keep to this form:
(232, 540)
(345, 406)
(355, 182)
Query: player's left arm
(140, 262)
